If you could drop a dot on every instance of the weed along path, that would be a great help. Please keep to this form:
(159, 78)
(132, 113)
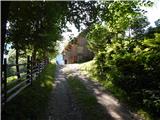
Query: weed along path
(61, 105)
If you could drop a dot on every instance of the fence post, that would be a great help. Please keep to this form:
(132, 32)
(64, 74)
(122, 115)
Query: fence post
(42, 65)
(28, 68)
(5, 82)
(38, 68)
(46, 61)
(31, 68)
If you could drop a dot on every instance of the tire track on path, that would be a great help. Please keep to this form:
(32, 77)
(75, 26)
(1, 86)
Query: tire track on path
(61, 105)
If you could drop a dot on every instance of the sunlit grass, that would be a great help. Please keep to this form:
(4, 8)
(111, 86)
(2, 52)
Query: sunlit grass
(88, 69)
(31, 103)
(144, 114)
(11, 78)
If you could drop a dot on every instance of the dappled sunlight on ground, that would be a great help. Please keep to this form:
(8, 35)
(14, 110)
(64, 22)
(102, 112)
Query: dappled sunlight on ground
(111, 104)
(61, 106)
(70, 67)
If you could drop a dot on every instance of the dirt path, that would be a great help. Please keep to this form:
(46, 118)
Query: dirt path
(115, 109)
(61, 105)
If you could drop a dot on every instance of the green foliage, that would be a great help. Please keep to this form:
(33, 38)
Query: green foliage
(139, 78)
(157, 23)
(138, 25)
(35, 27)
(100, 34)
(83, 13)
(153, 43)
(136, 73)
(152, 30)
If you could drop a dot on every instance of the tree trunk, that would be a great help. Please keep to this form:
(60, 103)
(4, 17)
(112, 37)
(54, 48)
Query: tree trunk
(129, 32)
(17, 66)
(34, 56)
(4, 18)
(4, 15)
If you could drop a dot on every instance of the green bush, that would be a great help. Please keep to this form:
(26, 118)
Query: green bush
(136, 72)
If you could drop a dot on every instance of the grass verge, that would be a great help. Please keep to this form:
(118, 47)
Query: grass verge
(87, 102)
(31, 103)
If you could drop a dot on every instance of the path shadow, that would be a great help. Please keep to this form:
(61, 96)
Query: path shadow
(114, 109)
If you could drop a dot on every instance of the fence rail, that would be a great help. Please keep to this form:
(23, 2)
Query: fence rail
(11, 65)
(10, 89)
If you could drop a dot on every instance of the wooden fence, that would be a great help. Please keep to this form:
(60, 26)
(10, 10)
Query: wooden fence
(10, 89)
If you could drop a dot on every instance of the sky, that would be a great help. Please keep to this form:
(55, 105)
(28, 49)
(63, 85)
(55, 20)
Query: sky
(153, 13)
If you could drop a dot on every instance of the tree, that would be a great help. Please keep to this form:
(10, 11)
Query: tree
(150, 32)
(118, 18)
(42, 24)
(83, 13)
(130, 63)
(138, 26)
(157, 23)
(5, 11)
(33, 27)
(19, 28)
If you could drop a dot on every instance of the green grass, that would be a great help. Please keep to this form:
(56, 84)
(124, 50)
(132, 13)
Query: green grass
(31, 103)
(87, 102)
(11, 78)
(89, 69)
(117, 92)
(11, 81)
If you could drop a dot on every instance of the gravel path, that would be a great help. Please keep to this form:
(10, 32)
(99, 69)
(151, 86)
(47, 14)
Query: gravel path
(61, 105)
(115, 109)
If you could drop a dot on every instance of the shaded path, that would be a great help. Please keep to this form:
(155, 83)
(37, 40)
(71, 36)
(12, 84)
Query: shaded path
(115, 109)
(61, 105)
